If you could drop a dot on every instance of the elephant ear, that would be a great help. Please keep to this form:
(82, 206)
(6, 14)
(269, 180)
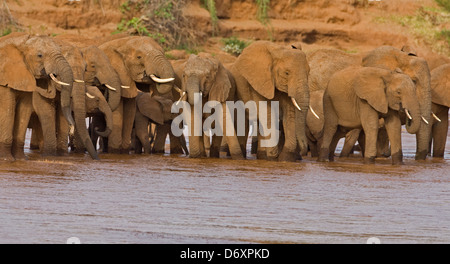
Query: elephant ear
(440, 85)
(14, 73)
(370, 86)
(150, 108)
(255, 64)
(220, 89)
(118, 64)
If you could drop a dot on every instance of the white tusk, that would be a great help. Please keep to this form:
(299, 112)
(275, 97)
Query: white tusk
(181, 97)
(435, 117)
(295, 104)
(90, 96)
(424, 120)
(125, 87)
(78, 81)
(314, 113)
(177, 89)
(407, 114)
(159, 80)
(58, 81)
(110, 87)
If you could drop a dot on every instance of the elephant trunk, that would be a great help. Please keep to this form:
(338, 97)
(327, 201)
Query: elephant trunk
(111, 80)
(300, 98)
(192, 87)
(161, 68)
(107, 113)
(79, 112)
(58, 66)
(412, 110)
(423, 92)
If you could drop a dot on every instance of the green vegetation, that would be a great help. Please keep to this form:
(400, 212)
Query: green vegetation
(445, 4)
(7, 23)
(210, 5)
(234, 46)
(263, 10)
(426, 25)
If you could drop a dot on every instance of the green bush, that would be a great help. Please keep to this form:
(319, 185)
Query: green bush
(234, 46)
(445, 4)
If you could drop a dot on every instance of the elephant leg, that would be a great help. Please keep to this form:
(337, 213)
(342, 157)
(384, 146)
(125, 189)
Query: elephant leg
(196, 143)
(394, 130)
(350, 140)
(383, 143)
(63, 134)
(337, 136)
(440, 131)
(22, 118)
(175, 143)
(47, 117)
(160, 139)
(36, 141)
(129, 112)
(369, 122)
(230, 136)
(115, 138)
(141, 130)
(329, 129)
(8, 103)
(266, 141)
(214, 148)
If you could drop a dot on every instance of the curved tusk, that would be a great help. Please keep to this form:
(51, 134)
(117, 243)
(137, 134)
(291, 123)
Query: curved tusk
(177, 89)
(90, 96)
(78, 81)
(313, 112)
(110, 87)
(435, 117)
(408, 115)
(125, 87)
(295, 104)
(159, 80)
(424, 120)
(181, 97)
(58, 81)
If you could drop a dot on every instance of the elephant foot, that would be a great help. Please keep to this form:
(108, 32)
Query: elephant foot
(197, 155)
(422, 155)
(288, 156)
(7, 158)
(323, 155)
(261, 155)
(397, 159)
(114, 151)
(369, 160)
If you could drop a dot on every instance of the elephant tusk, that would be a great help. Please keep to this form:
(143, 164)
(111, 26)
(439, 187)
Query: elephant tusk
(90, 96)
(78, 81)
(295, 104)
(408, 115)
(435, 117)
(110, 87)
(181, 97)
(159, 80)
(424, 120)
(313, 112)
(177, 89)
(125, 87)
(58, 81)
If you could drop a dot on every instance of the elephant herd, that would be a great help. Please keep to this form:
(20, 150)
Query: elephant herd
(128, 88)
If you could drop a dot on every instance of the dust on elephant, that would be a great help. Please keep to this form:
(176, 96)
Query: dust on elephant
(152, 109)
(141, 65)
(267, 72)
(357, 97)
(205, 79)
(440, 98)
(416, 68)
(28, 61)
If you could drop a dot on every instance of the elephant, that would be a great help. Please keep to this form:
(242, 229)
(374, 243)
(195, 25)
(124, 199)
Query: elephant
(323, 64)
(268, 72)
(416, 68)
(357, 97)
(204, 78)
(440, 98)
(151, 109)
(28, 64)
(141, 65)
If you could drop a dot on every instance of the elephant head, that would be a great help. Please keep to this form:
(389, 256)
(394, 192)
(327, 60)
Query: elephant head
(268, 67)
(384, 89)
(417, 69)
(440, 85)
(33, 58)
(139, 60)
(206, 76)
(99, 72)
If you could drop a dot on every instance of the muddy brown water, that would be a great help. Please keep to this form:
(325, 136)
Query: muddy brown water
(174, 199)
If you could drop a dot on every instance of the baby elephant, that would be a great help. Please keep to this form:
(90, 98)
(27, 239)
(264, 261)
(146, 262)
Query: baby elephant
(357, 97)
(152, 109)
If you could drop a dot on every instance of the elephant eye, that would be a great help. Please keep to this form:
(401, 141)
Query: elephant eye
(139, 57)
(286, 72)
(39, 55)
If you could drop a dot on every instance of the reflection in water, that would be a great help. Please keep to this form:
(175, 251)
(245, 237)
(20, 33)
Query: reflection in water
(171, 199)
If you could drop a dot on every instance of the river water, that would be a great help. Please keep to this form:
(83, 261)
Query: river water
(174, 199)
